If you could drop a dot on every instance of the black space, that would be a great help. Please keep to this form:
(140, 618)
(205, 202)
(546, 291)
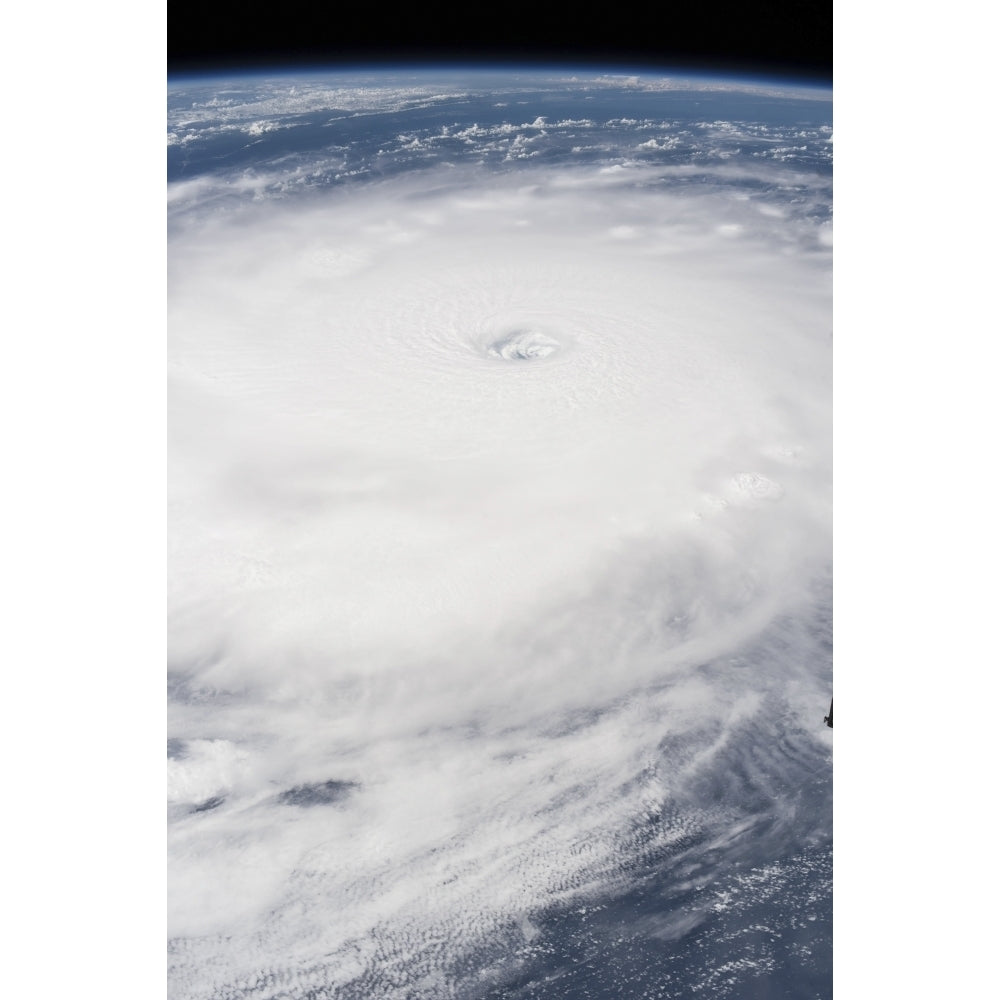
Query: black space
(788, 38)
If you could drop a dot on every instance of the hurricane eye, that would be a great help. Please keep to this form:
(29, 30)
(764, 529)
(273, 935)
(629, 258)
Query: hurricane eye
(523, 345)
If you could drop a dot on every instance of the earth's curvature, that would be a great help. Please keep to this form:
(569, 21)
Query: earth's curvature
(500, 600)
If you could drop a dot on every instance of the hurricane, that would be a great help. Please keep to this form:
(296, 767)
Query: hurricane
(500, 539)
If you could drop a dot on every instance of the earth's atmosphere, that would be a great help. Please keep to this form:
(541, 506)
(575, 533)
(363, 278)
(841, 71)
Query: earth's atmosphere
(500, 557)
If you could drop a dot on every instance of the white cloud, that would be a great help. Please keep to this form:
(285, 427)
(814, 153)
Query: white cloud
(478, 584)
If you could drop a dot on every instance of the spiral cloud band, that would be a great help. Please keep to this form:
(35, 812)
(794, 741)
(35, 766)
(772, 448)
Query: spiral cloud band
(500, 544)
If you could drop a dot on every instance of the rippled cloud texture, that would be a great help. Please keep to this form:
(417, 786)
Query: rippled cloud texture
(499, 543)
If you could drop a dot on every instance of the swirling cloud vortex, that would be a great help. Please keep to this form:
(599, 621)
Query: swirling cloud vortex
(476, 481)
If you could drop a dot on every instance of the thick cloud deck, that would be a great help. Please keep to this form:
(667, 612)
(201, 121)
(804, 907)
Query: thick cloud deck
(500, 538)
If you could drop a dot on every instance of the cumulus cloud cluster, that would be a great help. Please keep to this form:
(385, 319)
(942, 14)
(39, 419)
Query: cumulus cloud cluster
(499, 518)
